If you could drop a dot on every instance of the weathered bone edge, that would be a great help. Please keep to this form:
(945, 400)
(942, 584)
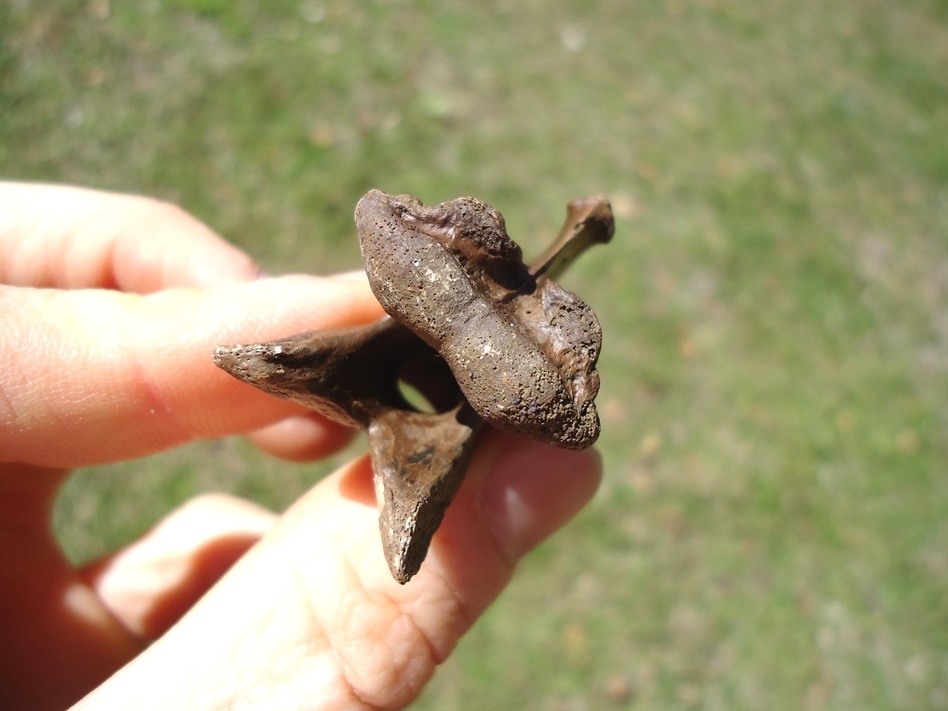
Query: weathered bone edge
(482, 336)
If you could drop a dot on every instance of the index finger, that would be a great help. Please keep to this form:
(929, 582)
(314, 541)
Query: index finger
(94, 376)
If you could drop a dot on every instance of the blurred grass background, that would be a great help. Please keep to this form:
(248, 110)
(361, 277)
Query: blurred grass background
(772, 530)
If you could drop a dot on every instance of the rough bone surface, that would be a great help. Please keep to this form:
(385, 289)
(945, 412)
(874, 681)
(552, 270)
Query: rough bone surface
(483, 336)
(522, 350)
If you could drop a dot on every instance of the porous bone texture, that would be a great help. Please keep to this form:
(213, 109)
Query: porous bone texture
(522, 350)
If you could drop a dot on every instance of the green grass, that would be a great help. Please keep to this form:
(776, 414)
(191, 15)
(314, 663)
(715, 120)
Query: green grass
(771, 533)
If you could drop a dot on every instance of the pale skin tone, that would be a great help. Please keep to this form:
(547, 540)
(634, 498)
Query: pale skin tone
(110, 307)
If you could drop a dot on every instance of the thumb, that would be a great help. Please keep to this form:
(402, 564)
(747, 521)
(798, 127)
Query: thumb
(311, 618)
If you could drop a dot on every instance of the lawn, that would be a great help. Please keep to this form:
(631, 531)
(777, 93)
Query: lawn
(772, 529)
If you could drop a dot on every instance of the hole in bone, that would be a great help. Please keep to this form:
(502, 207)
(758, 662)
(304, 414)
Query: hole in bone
(427, 385)
(415, 398)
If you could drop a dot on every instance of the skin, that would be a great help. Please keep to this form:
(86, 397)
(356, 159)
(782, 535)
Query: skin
(223, 603)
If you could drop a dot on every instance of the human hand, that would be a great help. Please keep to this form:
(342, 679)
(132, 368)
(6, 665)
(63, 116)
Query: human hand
(111, 360)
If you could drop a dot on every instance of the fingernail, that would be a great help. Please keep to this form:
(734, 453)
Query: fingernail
(533, 489)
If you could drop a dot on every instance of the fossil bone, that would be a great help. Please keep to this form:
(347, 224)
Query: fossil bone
(481, 335)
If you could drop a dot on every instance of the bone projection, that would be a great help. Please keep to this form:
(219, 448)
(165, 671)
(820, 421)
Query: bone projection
(484, 337)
